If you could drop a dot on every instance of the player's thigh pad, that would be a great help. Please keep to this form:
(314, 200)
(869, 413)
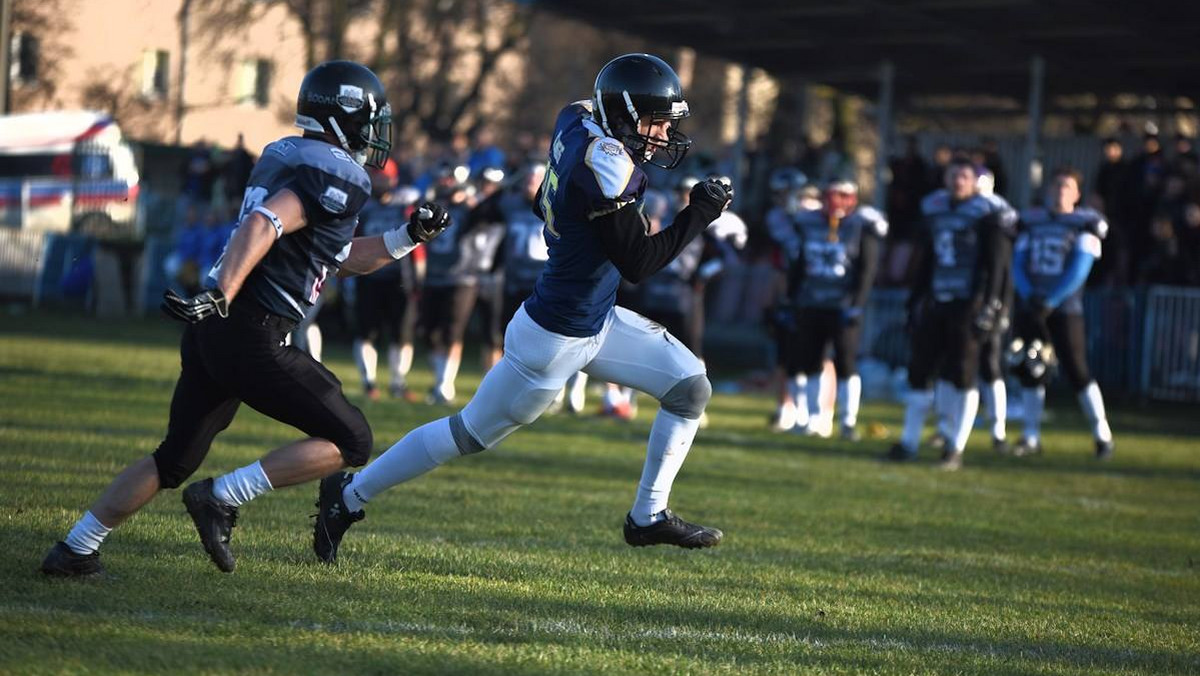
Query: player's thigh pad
(638, 353)
(517, 390)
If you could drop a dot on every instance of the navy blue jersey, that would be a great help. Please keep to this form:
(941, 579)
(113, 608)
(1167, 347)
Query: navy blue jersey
(830, 255)
(333, 188)
(377, 218)
(525, 251)
(589, 175)
(1048, 240)
(957, 237)
(464, 252)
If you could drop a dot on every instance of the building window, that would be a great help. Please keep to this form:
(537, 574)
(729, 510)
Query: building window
(155, 73)
(254, 83)
(23, 54)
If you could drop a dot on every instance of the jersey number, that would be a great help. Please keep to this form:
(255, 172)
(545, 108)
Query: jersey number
(943, 246)
(549, 187)
(1047, 257)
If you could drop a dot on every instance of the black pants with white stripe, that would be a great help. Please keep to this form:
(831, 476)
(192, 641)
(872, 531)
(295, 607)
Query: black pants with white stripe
(242, 358)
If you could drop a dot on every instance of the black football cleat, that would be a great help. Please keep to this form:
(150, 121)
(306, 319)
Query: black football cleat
(1001, 447)
(214, 521)
(671, 530)
(1104, 450)
(1026, 448)
(898, 453)
(333, 517)
(61, 561)
(951, 460)
(851, 434)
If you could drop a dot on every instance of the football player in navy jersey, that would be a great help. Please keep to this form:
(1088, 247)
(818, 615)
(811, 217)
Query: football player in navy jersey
(837, 254)
(964, 258)
(1055, 251)
(296, 227)
(596, 234)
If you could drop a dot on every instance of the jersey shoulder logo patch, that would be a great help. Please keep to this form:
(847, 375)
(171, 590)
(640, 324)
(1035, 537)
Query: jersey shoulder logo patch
(611, 165)
(334, 200)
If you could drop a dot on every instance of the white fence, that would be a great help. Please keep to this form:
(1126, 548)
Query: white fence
(1171, 347)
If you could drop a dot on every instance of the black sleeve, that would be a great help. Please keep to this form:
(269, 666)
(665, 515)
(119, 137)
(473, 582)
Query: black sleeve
(868, 265)
(797, 269)
(996, 264)
(923, 271)
(638, 255)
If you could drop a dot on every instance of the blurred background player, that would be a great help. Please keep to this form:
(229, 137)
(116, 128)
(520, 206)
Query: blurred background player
(384, 314)
(838, 249)
(1054, 254)
(453, 265)
(963, 258)
(487, 223)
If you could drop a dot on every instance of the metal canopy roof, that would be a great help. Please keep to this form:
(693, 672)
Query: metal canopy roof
(936, 46)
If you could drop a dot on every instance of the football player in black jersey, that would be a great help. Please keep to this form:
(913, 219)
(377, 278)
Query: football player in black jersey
(295, 228)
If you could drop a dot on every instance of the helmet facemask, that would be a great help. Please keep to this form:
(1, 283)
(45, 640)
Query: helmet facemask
(623, 125)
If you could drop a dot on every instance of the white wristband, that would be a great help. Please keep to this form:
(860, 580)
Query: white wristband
(398, 242)
(270, 215)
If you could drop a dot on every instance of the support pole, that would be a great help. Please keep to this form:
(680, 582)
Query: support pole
(883, 110)
(739, 146)
(1031, 182)
(5, 55)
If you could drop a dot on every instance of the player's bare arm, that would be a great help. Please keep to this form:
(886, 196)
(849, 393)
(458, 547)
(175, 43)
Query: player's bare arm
(368, 254)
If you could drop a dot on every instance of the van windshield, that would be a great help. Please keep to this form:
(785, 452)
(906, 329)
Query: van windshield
(47, 165)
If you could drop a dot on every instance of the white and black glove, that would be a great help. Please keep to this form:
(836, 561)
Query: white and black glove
(427, 221)
(713, 194)
(197, 308)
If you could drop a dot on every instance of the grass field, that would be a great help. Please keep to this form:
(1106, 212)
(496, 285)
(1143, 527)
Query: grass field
(512, 561)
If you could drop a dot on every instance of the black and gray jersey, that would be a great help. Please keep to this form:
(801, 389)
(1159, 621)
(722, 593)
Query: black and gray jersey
(465, 251)
(1047, 240)
(957, 237)
(525, 250)
(377, 218)
(830, 255)
(332, 188)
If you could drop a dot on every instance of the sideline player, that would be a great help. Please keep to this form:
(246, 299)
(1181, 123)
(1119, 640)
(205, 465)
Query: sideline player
(296, 223)
(955, 302)
(1054, 254)
(596, 235)
(837, 256)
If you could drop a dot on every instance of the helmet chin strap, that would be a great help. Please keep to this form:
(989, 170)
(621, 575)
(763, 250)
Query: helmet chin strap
(360, 156)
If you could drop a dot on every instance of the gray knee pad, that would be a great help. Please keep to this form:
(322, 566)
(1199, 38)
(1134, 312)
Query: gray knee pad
(688, 397)
(466, 443)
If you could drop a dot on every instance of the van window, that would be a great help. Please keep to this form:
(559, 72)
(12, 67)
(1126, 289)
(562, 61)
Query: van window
(35, 166)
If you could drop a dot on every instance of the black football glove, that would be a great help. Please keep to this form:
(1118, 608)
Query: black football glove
(712, 192)
(197, 308)
(427, 221)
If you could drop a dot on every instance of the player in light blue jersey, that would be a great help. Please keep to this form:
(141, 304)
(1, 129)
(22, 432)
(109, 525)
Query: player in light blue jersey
(595, 234)
(1054, 254)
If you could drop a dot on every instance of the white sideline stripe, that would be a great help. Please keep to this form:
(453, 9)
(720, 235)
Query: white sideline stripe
(574, 629)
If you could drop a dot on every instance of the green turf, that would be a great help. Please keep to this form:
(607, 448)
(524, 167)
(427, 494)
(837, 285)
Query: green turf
(512, 561)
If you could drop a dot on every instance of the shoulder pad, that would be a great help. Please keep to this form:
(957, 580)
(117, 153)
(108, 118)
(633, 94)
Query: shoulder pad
(874, 222)
(1093, 222)
(936, 201)
(610, 164)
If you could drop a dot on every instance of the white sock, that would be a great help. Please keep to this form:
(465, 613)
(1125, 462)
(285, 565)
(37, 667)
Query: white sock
(966, 405)
(241, 485)
(449, 374)
(670, 440)
(849, 394)
(812, 399)
(399, 363)
(1092, 404)
(368, 361)
(916, 408)
(87, 534)
(420, 451)
(998, 396)
(943, 397)
(1034, 401)
(798, 392)
(577, 386)
(312, 335)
